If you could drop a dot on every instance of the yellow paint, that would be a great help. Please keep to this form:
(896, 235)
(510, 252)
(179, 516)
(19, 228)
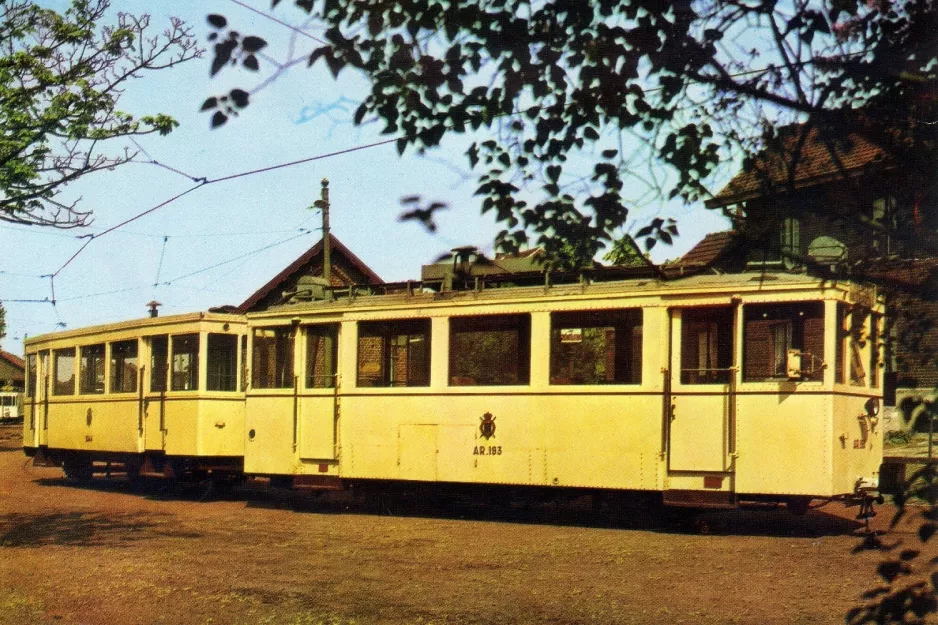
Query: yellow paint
(779, 438)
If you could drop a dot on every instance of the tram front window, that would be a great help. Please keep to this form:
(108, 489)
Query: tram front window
(31, 380)
(706, 345)
(771, 330)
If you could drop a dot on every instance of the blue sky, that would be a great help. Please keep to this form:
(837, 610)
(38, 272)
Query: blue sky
(262, 220)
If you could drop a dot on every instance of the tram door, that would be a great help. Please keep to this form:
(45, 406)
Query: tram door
(318, 409)
(701, 378)
(40, 408)
(154, 383)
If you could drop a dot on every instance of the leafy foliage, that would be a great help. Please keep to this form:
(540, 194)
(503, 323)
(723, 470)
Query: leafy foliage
(909, 589)
(61, 78)
(539, 83)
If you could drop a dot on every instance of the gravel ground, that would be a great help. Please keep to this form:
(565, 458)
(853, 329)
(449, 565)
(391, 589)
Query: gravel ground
(110, 555)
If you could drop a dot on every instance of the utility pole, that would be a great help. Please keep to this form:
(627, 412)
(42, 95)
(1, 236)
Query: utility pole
(323, 204)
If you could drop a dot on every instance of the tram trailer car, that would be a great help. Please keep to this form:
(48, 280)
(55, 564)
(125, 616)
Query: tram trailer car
(156, 396)
(709, 390)
(11, 407)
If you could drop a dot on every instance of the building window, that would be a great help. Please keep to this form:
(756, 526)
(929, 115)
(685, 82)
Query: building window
(597, 347)
(185, 371)
(31, 372)
(790, 239)
(394, 353)
(273, 358)
(706, 345)
(91, 369)
(221, 365)
(322, 355)
(124, 367)
(159, 362)
(490, 351)
(772, 330)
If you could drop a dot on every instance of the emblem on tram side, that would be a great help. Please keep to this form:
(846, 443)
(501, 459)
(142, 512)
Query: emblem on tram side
(487, 425)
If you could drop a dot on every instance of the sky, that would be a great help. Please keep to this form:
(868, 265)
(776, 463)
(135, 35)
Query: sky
(219, 243)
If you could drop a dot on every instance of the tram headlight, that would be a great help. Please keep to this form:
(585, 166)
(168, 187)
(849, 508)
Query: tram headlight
(872, 407)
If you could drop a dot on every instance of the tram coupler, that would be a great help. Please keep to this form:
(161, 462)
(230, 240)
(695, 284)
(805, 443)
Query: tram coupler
(865, 495)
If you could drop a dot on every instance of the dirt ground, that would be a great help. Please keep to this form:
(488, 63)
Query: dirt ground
(110, 555)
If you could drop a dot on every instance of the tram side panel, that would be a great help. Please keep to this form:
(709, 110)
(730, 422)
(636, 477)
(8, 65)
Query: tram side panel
(857, 438)
(783, 444)
(525, 439)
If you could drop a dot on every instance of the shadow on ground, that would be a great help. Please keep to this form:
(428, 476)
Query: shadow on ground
(85, 529)
(638, 513)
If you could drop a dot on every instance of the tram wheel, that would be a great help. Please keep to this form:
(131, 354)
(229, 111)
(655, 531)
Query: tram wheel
(799, 505)
(77, 469)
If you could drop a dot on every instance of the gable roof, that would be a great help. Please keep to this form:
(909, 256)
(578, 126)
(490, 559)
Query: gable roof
(825, 155)
(339, 253)
(15, 361)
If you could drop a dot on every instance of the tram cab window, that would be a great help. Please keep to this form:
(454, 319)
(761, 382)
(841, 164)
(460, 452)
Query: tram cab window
(322, 352)
(91, 369)
(273, 358)
(855, 343)
(772, 330)
(221, 365)
(875, 321)
(124, 367)
(492, 350)
(706, 345)
(852, 338)
(31, 380)
(596, 347)
(185, 364)
(394, 353)
(159, 362)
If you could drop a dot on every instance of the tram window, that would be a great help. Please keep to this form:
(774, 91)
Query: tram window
(322, 351)
(91, 369)
(601, 347)
(394, 353)
(874, 350)
(706, 345)
(124, 367)
(221, 364)
(185, 371)
(273, 358)
(31, 380)
(856, 341)
(244, 362)
(490, 351)
(772, 329)
(159, 362)
(839, 369)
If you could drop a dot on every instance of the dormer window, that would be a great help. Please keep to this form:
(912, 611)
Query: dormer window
(790, 240)
(884, 218)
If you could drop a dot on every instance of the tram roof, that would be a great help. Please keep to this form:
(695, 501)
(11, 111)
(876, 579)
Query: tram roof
(136, 324)
(414, 294)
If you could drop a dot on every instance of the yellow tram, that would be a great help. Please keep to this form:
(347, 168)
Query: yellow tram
(157, 395)
(712, 390)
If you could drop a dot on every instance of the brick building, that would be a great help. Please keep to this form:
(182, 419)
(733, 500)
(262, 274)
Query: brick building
(839, 207)
(12, 372)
